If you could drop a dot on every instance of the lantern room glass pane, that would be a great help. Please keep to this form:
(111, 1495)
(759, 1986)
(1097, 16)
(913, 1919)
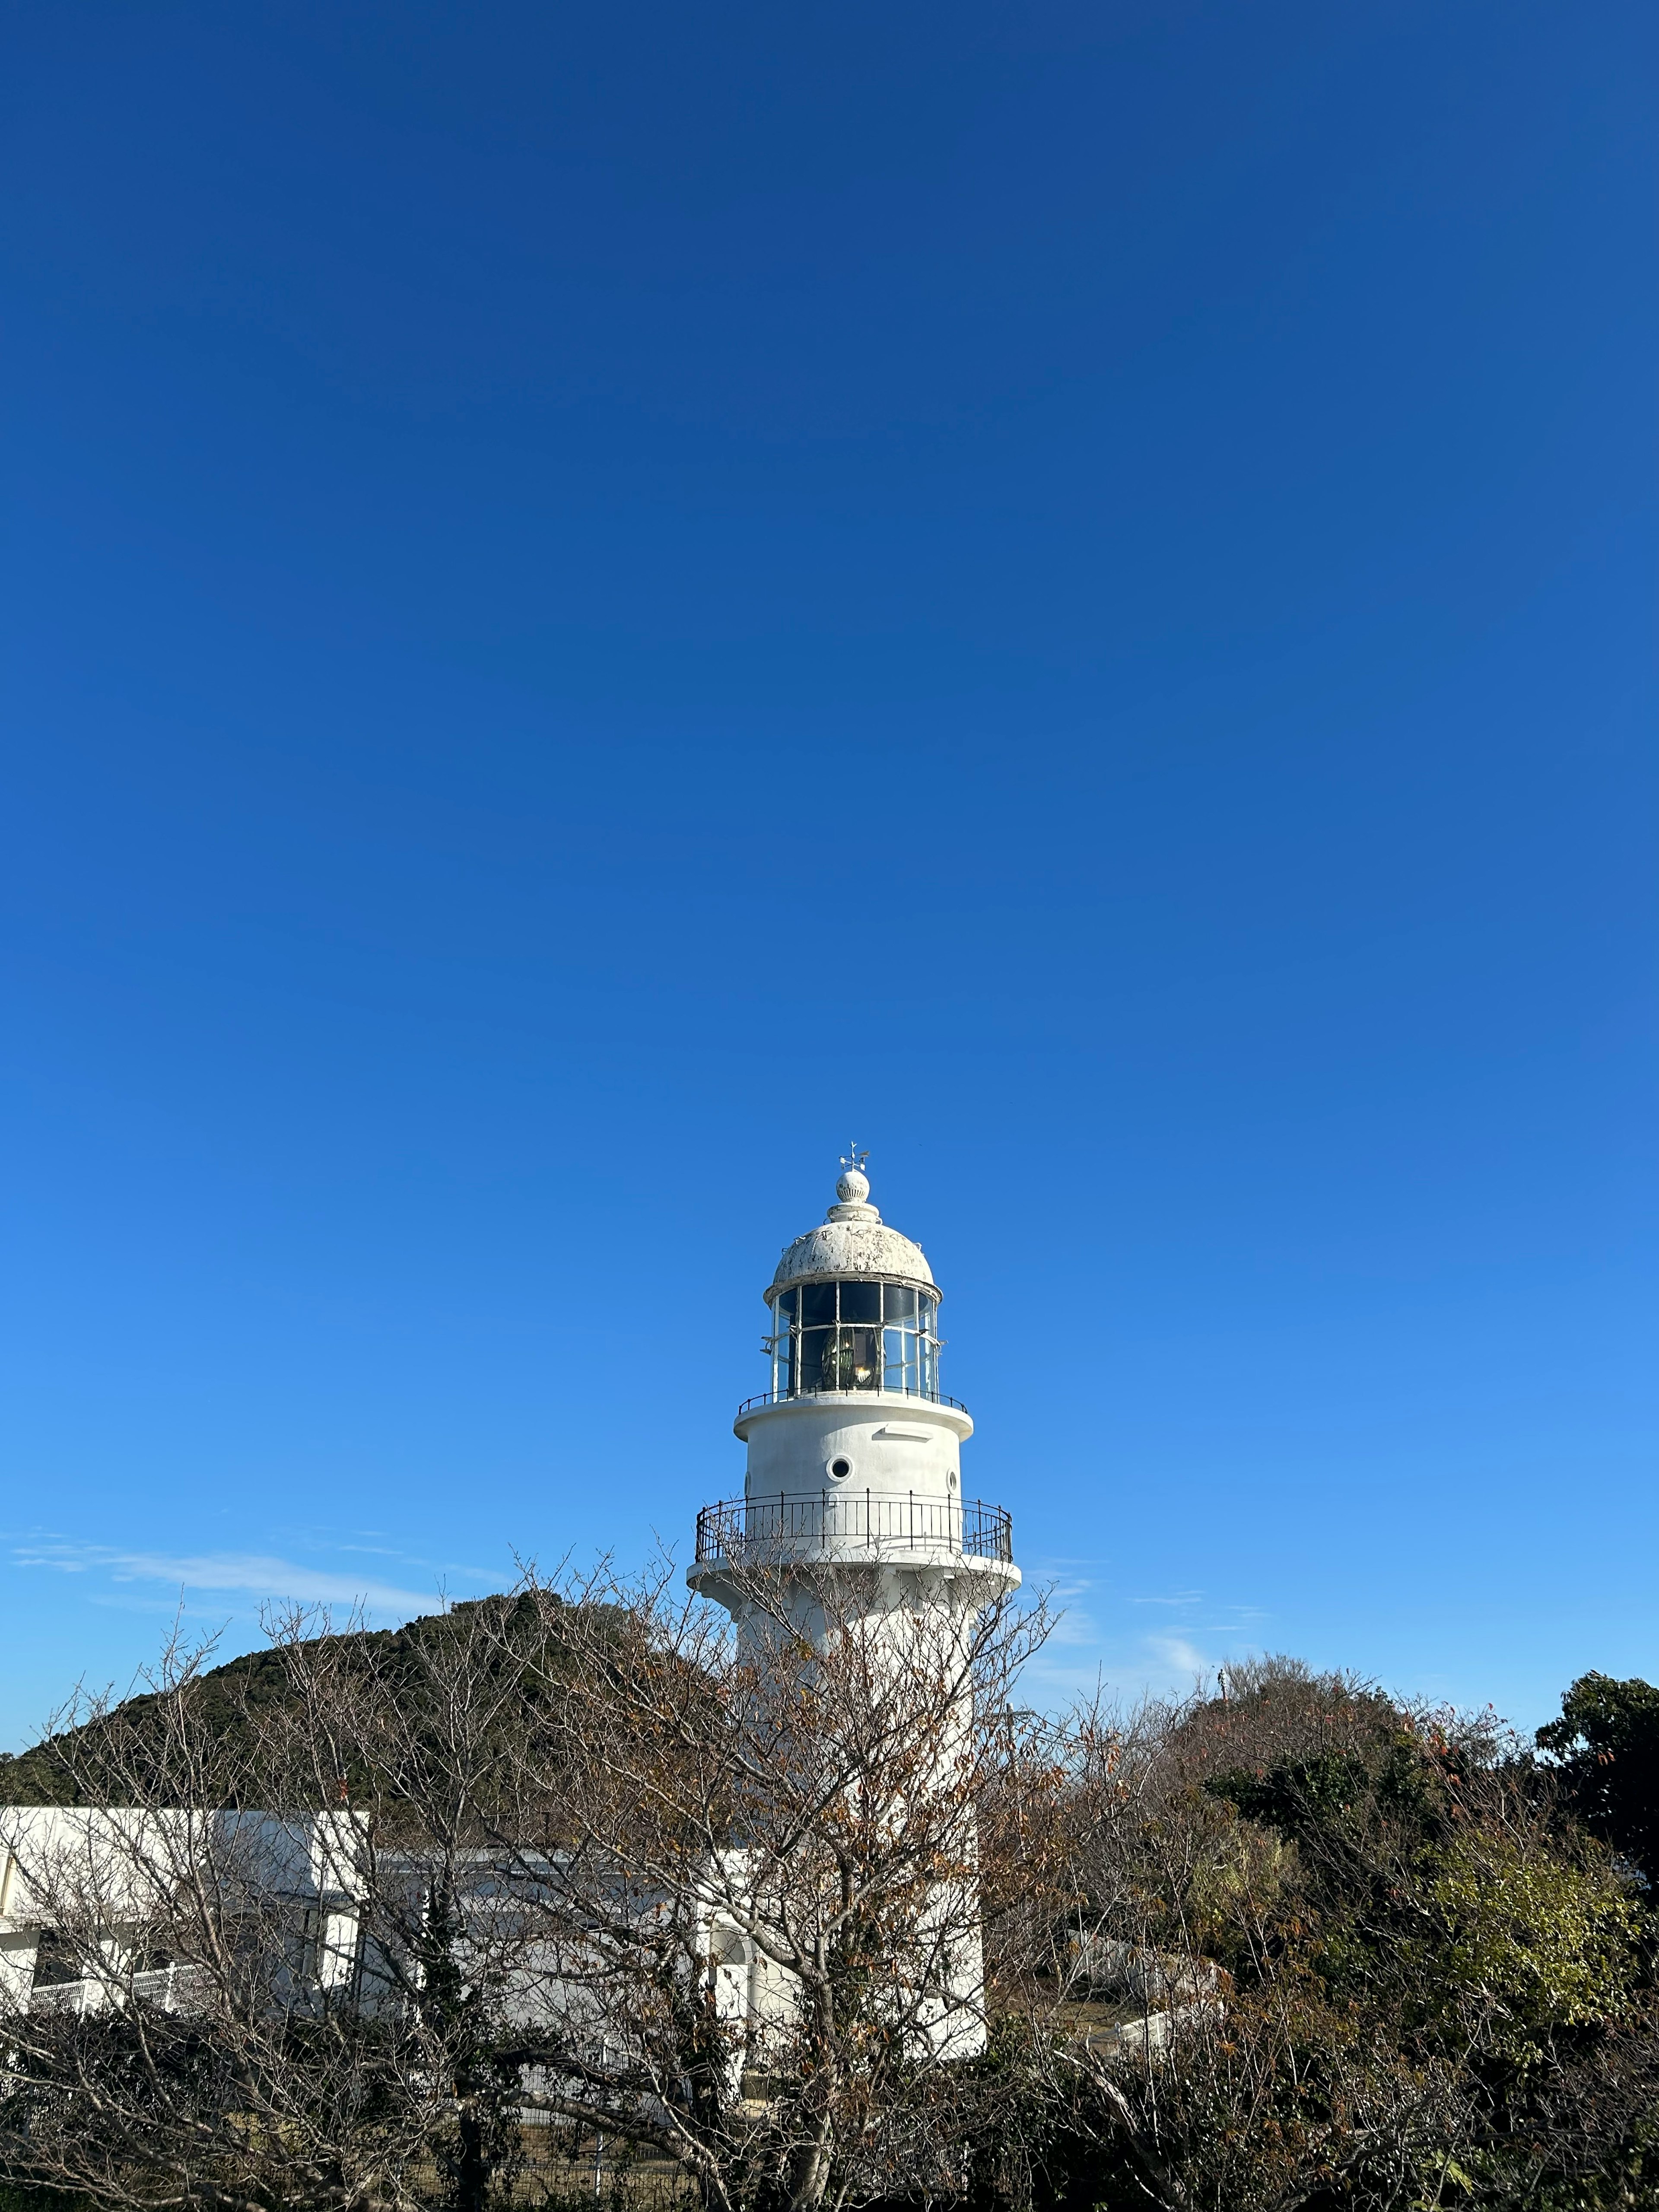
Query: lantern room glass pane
(783, 1343)
(860, 1302)
(850, 1360)
(902, 1367)
(899, 1304)
(817, 1304)
(809, 1362)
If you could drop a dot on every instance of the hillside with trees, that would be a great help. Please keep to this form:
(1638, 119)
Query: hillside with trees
(212, 1728)
(1293, 1943)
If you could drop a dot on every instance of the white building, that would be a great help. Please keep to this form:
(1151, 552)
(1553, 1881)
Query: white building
(80, 1888)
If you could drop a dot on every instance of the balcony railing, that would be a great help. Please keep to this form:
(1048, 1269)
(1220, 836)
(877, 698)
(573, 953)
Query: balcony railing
(866, 1397)
(762, 1530)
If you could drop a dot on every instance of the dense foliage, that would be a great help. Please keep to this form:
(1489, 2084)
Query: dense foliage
(1439, 1981)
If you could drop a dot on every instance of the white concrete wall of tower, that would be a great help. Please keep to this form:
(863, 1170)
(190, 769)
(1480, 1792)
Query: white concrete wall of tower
(864, 1440)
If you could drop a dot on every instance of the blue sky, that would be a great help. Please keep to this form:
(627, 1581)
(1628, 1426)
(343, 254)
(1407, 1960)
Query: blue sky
(600, 600)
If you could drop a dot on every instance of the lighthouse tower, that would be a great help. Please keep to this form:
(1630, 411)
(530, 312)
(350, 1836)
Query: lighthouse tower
(853, 1511)
(855, 1453)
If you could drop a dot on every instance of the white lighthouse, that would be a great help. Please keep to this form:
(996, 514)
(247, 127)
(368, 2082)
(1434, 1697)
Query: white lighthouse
(852, 1524)
(855, 1453)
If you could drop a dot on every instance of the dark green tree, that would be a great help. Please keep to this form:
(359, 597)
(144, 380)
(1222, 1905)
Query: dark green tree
(1605, 1750)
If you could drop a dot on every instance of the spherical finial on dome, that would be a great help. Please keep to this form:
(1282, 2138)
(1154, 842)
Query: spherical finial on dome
(854, 1188)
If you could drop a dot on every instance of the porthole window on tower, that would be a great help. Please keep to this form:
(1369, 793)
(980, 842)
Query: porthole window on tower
(854, 1336)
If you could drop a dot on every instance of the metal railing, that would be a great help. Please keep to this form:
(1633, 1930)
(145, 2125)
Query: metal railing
(771, 1528)
(801, 1397)
(166, 1987)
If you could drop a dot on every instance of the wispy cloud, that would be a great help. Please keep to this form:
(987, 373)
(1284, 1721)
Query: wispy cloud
(1104, 1639)
(245, 1574)
(1178, 1656)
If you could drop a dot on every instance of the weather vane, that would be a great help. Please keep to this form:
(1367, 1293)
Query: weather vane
(856, 1159)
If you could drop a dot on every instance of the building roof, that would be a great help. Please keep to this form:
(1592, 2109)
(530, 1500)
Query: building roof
(852, 1240)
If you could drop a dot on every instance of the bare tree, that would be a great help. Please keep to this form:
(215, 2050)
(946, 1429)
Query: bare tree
(568, 1854)
(748, 1884)
(191, 2034)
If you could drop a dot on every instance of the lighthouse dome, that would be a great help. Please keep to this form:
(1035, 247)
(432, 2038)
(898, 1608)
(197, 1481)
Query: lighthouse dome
(854, 1240)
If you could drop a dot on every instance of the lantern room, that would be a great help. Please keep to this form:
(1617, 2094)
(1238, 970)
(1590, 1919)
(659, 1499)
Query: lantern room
(854, 1335)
